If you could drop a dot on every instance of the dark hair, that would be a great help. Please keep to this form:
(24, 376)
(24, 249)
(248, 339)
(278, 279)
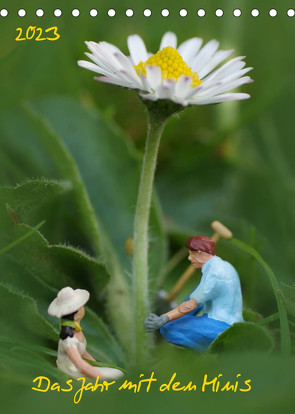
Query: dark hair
(201, 244)
(66, 331)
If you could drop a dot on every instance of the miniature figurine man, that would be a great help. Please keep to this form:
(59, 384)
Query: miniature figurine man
(218, 295)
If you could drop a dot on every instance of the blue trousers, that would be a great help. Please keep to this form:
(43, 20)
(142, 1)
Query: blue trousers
(190, 331)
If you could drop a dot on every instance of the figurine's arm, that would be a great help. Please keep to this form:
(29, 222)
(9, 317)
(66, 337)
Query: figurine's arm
(182, 309)
(83, 366)
(88, 356)
(153, 322)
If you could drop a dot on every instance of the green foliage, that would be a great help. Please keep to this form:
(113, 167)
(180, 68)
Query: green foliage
(48, 267)
(23, 200)
(288, 296)
(29, 264)
(243, 337)
(285, 333)
(27, 324)
(251, 316)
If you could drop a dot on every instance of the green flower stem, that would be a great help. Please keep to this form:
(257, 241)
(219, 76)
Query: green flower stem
(156, 123)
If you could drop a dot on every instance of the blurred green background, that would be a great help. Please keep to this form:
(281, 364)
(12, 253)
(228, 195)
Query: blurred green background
(233, 162)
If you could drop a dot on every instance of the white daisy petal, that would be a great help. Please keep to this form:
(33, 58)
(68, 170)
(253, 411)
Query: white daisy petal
(101, 63)
(193, 92)
(169, 39)
(209, 86)
(155, 82)
(229, 67)
(183, 87)
(212, 63)
(228, 71)
(153, 76)
(118, 82)
(91, 66)
(207, 90)
(189, 49)
(108, 46)
(149, 96)
(220, 98)
(204, 55)
(128, 78)
(226, 86)
(97, 57)
(117, 62)
(170, 83)
(102, 57)
(128, 68)
(220, 89)
(137, 49)
(166, 90)
(236, 75)
(163, 92)
(145, 84)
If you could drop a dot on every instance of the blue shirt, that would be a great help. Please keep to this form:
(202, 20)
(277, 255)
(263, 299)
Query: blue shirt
(220, 291)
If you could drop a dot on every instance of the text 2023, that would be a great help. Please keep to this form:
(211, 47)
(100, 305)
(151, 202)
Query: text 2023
(38, 34)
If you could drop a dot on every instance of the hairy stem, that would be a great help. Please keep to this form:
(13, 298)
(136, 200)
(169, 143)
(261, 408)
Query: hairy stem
(156, 123)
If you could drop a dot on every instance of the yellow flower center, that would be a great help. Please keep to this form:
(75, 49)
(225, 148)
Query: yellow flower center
(171, 64)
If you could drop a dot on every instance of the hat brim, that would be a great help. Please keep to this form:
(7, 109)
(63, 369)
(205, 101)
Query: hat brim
(79, 299)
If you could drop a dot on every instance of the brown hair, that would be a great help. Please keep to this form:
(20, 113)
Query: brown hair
(201, 244)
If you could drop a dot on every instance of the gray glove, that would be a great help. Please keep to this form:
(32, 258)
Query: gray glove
(153, 322)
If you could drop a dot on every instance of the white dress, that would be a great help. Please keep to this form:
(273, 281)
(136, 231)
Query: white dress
(65, 364)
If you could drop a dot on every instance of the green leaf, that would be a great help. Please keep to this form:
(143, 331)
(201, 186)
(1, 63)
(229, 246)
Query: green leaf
(118, 298)
(107, 161)
(285, 332)
(29, 262)
(41, 269)
(22, 320)
(100, 364)
(76, 144)
(67, 169)
(24, 328)
(250, 315)
(12, 343)
(242, 337)
(22, 200)
(61, 164)
(21, 364)
(288, 296)
(21, 238)
(110, 167)
(100, 343)
(81, 267)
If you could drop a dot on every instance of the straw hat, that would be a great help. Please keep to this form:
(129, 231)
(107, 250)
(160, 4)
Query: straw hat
(68, 301)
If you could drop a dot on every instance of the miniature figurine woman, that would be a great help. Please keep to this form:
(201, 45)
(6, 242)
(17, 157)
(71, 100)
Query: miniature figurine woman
(68, 305)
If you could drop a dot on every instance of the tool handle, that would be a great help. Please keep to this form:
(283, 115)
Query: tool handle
(180, 283)
(220, 230)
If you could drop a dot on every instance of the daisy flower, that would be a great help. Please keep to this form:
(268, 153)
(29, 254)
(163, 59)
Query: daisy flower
(186, 75)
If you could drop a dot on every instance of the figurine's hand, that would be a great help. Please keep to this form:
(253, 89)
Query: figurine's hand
(153, 322)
